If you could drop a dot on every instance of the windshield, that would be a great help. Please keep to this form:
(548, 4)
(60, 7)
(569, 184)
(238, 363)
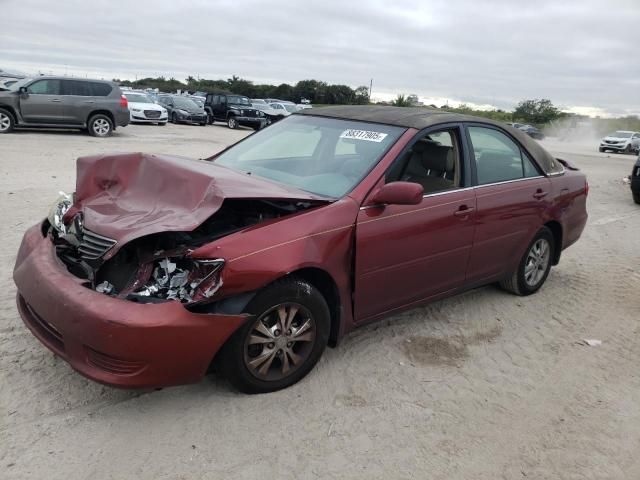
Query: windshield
(323, 156)
(620, 134)
(197, 101)
(137, 98)
(182, 102)
(290, 108)
(237, 100)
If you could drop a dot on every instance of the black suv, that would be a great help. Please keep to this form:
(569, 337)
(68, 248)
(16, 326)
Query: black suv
(234, 110)
(63, 102)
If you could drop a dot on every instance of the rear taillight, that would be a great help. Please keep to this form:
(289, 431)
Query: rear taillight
(586, 187)
(123, 102)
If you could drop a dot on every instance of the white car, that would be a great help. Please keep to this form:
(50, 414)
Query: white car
(144, 110)
(621, 141)
(285, 109)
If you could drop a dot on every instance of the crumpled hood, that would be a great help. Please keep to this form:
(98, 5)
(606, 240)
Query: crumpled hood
(129, 195)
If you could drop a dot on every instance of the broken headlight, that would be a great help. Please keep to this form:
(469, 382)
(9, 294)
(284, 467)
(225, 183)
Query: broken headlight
(182, 279)
(56, 213)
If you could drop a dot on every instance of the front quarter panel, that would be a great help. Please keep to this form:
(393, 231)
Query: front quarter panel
(321, 238)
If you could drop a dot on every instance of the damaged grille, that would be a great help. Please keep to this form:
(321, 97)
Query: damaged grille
(93, 246)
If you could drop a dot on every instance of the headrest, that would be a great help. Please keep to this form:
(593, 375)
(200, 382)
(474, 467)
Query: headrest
(437, 157)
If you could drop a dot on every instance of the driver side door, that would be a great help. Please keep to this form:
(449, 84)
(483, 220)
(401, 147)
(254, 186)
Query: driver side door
(409, 254)
(43, 103)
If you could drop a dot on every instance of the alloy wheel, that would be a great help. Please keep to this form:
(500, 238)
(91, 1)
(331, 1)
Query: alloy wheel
(5, 122)
(280, 341)
(537, 262)
(101, 127)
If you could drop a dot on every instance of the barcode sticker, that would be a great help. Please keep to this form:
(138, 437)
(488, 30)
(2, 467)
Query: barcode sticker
(364, 135)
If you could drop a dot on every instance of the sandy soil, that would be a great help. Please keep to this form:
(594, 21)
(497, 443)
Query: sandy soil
(482, 386)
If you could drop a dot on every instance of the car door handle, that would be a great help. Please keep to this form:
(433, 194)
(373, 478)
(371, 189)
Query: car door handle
(463, 211)
(56, 100)
(539, 194)
(89, 101)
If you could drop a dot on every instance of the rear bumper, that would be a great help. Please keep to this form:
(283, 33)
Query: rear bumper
(122, 118)
(113, 341)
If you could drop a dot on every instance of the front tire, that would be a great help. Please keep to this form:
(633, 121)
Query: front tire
(636, 197)
(627, 150)
(232, 123)
(174, 118)
(100, 126)
(282, 340)
(534, 266)
(601, 150)
(7, 123)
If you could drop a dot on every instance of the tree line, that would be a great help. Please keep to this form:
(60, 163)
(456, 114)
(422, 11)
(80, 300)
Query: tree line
(315, 91)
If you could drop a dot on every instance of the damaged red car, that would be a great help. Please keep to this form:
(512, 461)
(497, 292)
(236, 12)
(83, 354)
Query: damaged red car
(255, 259)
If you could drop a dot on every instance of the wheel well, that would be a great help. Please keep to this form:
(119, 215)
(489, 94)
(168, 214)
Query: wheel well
(103, 112)
(556, 229)
(329, 290)
(11, 111)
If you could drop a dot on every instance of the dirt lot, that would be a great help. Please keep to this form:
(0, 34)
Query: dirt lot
(482, 386)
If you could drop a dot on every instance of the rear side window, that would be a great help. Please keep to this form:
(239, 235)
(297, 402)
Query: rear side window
(498, 158)
(76, 87)
(100, 89)
(45, 87)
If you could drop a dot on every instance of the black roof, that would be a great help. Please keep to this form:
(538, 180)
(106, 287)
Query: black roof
(420, 118)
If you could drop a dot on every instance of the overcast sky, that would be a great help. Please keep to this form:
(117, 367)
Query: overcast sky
(583, 55)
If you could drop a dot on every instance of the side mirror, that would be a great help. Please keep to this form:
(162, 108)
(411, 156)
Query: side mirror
(23, 91)
(399, 193)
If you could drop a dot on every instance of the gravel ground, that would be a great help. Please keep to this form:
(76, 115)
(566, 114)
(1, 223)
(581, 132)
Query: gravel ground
(481, 386)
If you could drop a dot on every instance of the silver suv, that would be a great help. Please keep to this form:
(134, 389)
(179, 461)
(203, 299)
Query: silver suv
(61, 102)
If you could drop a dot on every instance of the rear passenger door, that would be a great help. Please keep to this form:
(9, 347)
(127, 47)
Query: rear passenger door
(512, 196)
(78, 101)
(43, 102)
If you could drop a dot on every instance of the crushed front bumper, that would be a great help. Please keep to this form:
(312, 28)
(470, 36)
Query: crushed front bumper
(113, 341)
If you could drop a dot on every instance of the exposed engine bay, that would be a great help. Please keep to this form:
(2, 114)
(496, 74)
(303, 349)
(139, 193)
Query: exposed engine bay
(157, 267)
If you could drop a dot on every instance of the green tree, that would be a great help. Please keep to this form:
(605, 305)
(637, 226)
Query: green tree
(537, 111)
(401, 101)
(361, 95)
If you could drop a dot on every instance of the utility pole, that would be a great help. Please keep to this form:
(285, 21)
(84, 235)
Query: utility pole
(370, 88)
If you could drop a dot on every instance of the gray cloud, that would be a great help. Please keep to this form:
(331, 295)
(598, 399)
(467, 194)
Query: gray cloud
(578, 53)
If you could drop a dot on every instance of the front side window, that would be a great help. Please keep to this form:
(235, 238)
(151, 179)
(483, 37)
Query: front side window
(498, 158)
(45, 87)
(327, 157)
(433, 162)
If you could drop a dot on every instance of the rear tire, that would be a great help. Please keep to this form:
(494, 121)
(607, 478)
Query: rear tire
(7, 122)
(636, 197)
(263, 343)
(534, 266)
(100, 126)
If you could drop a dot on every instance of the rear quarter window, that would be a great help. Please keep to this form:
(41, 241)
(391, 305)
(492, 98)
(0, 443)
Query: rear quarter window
(100, 89)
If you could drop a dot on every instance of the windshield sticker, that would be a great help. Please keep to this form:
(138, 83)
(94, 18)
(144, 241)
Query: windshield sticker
(364, 135)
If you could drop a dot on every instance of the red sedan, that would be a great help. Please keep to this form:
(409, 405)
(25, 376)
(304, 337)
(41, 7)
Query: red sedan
(257, 258)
